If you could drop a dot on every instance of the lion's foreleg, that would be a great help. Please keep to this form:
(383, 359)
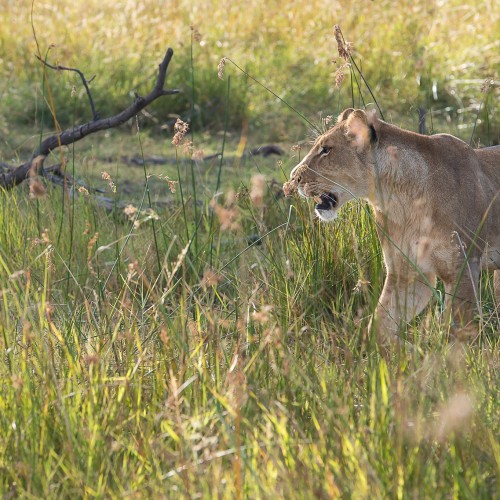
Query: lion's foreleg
(401, 300)
(462, 299)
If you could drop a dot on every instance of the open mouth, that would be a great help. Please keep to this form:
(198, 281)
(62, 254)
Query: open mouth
(328, 202)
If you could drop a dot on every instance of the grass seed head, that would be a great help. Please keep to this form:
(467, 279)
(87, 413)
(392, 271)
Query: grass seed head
(327, 120)
(171, 185)
(360, 286)
(187, 148)
(16, 275)
(264, 315)
(90, 247)
(220, 68)
(130, 211)
(236, 389)
(111, 184)
(45, 237)
(340, 74)
(180, 128)
(167, 179)
(258, 190)
(195, 33)
(210, 279)
(344, 48)
(228, 214)
(198, 156)
(487, 84)
(164, 337)
(290, 187)
(228, 217)
(242, 193)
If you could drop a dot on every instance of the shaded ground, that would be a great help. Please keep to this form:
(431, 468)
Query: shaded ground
(120, 153)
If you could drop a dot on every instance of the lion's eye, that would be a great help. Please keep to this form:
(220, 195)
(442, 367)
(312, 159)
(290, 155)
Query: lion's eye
(325, 150)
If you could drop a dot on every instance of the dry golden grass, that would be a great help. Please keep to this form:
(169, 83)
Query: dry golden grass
(432, 54)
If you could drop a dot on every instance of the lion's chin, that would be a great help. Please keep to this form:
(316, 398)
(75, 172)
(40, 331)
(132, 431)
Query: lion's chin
(326, 215)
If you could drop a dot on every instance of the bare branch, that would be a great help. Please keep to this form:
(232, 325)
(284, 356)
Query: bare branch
(85, 82)
(69, 136)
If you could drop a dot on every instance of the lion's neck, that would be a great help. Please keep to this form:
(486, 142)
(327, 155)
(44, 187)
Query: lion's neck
(397, 205)
(399, 173)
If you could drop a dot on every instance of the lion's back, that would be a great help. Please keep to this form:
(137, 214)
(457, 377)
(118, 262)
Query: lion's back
(490, 163)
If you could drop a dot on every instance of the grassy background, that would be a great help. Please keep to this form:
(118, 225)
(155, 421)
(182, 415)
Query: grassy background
(430, 54)
(217, 345)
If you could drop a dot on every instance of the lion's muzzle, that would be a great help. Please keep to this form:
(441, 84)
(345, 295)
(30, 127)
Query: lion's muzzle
(328, 202)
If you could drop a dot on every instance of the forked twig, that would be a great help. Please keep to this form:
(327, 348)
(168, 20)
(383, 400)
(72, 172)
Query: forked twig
(85, 82)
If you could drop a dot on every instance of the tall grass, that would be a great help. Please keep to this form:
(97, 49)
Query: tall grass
(259, 364)
(137, 365)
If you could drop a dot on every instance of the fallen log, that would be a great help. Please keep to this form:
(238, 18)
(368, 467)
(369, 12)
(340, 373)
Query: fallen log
(13, 176)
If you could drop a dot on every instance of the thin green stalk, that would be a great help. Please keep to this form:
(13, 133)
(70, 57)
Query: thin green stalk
(226, 121)
(353, 62)
(115, 223)
(275, 95)
(40, 137)
(369, 88)
(146, 188)
(352, 87)
(359, 91)
(483, 100)
(219, 172)
(127, 238)
(193, 178)
(182, 194)
(72, 224)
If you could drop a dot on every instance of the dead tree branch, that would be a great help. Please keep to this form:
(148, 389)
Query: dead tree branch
(21, 173)
(85, 82)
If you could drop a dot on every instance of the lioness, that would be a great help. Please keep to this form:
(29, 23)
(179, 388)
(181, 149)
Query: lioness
(436, 203)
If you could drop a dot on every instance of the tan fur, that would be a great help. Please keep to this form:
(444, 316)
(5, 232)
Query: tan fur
(434, 198)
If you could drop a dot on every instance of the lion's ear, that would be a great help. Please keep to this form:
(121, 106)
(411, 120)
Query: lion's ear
(358, 129)
(343, 116)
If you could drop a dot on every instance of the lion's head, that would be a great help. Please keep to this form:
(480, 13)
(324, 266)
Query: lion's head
(339, 166)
